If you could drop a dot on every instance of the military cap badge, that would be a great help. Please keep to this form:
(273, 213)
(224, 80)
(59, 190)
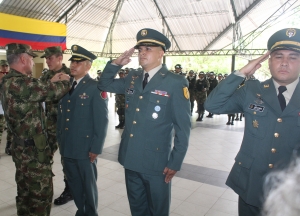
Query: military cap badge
(74, 48)
(144, 32)
(290, 32)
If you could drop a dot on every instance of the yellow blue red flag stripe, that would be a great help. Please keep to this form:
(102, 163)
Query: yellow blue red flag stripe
(37, 33)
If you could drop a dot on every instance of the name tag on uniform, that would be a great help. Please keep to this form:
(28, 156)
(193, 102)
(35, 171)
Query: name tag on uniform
(256, 107)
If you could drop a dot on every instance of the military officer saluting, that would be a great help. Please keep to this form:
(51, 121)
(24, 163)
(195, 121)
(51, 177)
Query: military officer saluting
(156, 102)
(271, 110)
(81, 131)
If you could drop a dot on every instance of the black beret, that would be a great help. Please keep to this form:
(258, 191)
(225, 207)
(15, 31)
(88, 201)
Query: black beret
(285, 39)
(151, 37)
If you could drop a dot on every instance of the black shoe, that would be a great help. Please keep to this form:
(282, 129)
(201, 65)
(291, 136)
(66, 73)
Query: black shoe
(228, 123)
(231, 123)
(65, 197)
(119, 125)
(7, 151)
(198, 119)
(240, 119)
(236, 119)
(7, 148)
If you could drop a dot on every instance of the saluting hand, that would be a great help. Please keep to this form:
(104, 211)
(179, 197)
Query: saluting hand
(253, 65)
(169, 174)
(124, 58)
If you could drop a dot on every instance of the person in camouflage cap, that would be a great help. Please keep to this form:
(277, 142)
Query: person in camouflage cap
(21, 98)
(54, 58)
(120, 104)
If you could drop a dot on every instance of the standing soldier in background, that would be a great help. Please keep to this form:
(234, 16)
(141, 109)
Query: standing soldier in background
(213, 82)
(201, 87)
(4, 71)
(22, 96)
(192, 81)
(54, 58)
(120, 104)
(178, 69)
(99, 72)
(220, 77)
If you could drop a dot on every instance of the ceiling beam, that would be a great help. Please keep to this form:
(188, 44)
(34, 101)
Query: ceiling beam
(65, 14)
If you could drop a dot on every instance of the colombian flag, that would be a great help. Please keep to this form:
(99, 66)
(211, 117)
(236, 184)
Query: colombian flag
(37, 33)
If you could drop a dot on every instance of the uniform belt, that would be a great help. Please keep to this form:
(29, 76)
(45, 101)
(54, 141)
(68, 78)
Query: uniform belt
(24, 142)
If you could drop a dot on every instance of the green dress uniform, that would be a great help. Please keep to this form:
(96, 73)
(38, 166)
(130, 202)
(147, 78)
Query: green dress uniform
(21, 100)
(81, 129)
(146, 143)
(270, 135)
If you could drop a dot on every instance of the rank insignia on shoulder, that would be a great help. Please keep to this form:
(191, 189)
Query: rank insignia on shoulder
(255, 123)
(266, 86)
(103, 95)
(186, 93)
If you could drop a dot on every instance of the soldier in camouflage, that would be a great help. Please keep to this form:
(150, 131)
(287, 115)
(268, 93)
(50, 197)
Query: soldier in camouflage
(22, 96)
(54, 58)
(120, 104)
(213, 82)
(192, 81)
(4, 71)
(201, 87)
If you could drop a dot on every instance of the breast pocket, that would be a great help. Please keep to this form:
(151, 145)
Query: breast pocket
(82, 108)
(257, 122)
(156, 107)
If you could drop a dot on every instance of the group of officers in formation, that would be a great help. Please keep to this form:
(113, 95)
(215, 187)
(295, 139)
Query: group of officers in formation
(157, 103)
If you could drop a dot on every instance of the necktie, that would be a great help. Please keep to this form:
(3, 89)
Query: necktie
(145, 81)
(73, 87)
(281, 98)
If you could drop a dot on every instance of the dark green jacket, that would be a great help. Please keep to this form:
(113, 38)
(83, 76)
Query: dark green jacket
(146, 143)
(82, 120)
(270, 135)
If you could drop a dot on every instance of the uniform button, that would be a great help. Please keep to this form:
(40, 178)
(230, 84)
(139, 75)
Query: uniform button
(273, 150)
(68, 110)
(134, 122)
(66, 128)
(141, 97)
(271, 166)
(157, 101)
(279, 120)
(67, 120)
(131, 135)
(69, 101)
(240, 163)
(81, 104)
(137, 109)
(87, 136)
(276, 135)
(254, 113)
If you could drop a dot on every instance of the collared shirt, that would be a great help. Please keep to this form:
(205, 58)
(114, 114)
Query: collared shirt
(290, 88)
(77, 81)
(152, 72)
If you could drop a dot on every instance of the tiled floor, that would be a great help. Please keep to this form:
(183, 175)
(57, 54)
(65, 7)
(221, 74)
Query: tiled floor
(198, 189)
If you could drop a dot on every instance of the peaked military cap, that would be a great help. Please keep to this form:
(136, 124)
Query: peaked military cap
(81, 54)
(220, 74)
(285, 39)
(49, 51)
(201, 73)
(211, 73)
(151, 37)
(178, 66)
(191, 71)
(121, 71)
(3, 62)
(15, 48)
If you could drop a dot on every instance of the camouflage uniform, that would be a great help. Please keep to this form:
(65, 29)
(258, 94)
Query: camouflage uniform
(192, 82)
(51, 108)
(22, 97)
(120, 105)
(201, 96)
